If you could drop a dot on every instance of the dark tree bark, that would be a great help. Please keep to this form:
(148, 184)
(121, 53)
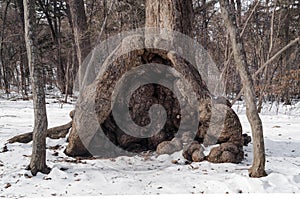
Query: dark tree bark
(239, 13)
(73, 62)
(54, 23)
(23, 56)
(95, 102)
(3, 66)
(169, 17)
(286, 29)
(38, 157)
(258, 166)
(81, 34)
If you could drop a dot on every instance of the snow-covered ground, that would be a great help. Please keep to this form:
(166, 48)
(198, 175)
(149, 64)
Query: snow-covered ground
(117, 176)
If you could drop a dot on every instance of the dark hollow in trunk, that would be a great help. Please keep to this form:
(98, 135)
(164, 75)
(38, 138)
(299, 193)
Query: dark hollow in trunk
(95, 112)
(212, 127)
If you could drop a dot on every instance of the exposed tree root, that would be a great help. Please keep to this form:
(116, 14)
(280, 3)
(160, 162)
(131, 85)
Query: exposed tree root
(53, 133)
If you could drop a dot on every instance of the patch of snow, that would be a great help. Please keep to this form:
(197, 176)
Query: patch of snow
(146, 175)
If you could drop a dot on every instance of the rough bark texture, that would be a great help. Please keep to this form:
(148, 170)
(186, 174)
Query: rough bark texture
(38, 157)
(95, 109)
(142, 99)
(81, 34)
(175, 15)
(258, 166)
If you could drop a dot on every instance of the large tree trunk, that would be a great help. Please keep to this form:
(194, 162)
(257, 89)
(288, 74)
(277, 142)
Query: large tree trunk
(97, 130)
(160, 14)
(173, 15)
(38, 157)
(258, 166)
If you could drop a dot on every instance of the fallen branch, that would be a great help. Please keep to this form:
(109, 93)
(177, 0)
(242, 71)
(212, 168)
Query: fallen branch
(53, 133)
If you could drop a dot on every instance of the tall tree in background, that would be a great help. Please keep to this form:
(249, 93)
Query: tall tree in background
(38, 157)
(266, 28)
(81, 34)
(53, 11)
(258, 166)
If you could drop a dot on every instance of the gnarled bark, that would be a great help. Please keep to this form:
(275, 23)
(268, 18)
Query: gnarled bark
(96, 130)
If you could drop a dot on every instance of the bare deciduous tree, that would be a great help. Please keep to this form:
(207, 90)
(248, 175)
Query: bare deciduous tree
(81, 34)
(38, 157)
(258, 166)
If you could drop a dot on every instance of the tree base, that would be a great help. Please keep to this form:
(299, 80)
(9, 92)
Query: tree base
(257, 172)
(216, 122)
(34, 171)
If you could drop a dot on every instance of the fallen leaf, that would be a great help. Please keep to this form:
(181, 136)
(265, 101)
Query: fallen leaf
(4, 149)
(276, 126)
(27, 176)
(174, 162)
(63, 168)
(7, 185)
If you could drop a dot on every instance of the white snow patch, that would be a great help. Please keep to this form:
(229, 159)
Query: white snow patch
(152, 175)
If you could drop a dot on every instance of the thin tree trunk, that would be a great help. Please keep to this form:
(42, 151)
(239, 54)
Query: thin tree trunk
(239, 13)
(266, 81)
(74, 69)
(204, 28)
(22, 50)
(2, 64)
(60, 65)
(81, 34)
(258, 166)
(38, 157)
(54, 25)
(293, 42)
(67, 76)
(286, 28)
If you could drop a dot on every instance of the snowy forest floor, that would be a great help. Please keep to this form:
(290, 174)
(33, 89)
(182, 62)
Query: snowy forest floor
(142, 174)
